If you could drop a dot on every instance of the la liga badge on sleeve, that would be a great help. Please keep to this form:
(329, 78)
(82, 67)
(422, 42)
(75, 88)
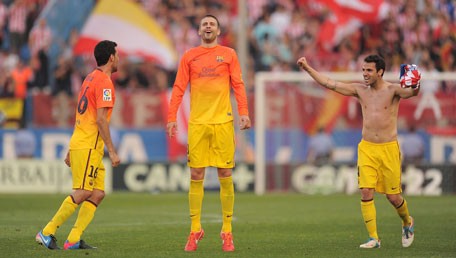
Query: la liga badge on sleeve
(107, 96)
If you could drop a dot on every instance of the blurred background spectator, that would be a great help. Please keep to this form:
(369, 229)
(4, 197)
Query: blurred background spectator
(412, 147)
(320, 148)
(24, 144)
(428, 90)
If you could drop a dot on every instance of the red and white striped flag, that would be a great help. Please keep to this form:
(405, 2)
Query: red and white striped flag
(347, 16)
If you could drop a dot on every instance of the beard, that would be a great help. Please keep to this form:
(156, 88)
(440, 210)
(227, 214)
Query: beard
(209, 37)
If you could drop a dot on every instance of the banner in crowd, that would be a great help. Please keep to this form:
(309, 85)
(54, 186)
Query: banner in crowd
(418, 179)
(145, 109)
(41, 176)
(134, 145)
(11, 110)
(172, 177)
(134, 30)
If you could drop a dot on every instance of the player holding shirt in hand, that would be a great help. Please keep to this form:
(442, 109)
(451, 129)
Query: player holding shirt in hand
(379, 161)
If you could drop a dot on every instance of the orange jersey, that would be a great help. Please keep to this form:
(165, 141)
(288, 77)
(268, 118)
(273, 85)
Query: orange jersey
(211, 72)
(21, 77)
(97, 92)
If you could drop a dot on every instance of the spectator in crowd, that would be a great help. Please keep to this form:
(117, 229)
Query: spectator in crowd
(6, 84)
(320, 148)
(428, 90)
(3, 21)
(39, 64)
(156, 76)
(17, 24)
(63, 91)
(22, 75)
(62, 74)
(412, 147)
(24, 144)
(40, 39)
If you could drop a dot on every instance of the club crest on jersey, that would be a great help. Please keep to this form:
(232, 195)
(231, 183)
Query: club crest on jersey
(107, 96)
(219, 59)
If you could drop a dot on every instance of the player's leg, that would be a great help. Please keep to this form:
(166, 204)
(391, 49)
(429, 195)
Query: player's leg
(195, 202)
(223, 153)
(227, 203)
(393, 189)
(69, 205)
(46, 236)
(94, 182)
(369, 214)
(400, 204)
(368, 180)
(195, 197)
(226, 197)
(197, 160)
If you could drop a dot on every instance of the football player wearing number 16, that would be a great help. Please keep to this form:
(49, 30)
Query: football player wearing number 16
(379, 162)
(91, 132)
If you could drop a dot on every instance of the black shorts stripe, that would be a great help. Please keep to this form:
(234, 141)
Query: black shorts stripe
(96, 140)
(86, 168)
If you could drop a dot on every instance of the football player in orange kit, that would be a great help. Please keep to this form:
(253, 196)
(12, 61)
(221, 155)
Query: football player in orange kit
(212, 71)
(91, 134)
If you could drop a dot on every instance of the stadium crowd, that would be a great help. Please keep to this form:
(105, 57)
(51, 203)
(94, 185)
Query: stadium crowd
(409, 31)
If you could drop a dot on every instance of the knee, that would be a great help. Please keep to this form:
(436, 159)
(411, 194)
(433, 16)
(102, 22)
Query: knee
(394, 199)
(197, 173)
(224, 172)
(97, 196)
(81, 195)
(367, 194)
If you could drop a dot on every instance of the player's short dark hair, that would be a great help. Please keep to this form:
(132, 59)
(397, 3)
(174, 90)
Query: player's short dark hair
(103, 50)
(378, 60)
(212, 16)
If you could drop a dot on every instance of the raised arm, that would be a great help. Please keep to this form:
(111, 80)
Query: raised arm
(347, 89)
(408, 92)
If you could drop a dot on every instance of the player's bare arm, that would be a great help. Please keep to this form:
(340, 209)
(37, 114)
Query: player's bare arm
(347, 89)
(103, 128)
(406, 93)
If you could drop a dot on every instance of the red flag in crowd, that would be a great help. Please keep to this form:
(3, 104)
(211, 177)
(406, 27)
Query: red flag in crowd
(367, 11)
(346, 16)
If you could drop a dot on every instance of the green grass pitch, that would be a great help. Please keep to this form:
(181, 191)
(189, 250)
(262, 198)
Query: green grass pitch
(273, 225)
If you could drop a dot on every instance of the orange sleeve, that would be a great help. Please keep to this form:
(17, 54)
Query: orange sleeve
(104, 94)
(179, 87)
(238, 85)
